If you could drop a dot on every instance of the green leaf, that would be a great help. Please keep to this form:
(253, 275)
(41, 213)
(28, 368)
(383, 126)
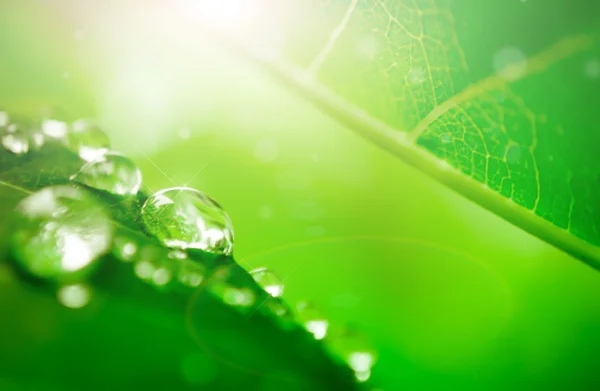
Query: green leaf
(135, 334)
(521, 142)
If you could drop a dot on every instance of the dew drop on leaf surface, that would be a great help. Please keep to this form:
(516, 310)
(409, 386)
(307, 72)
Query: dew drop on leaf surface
(191, 274)
(55, 129)
(186, 218)
(16, 142)
(312, 319)
(353, 347)
(268, 280)
(74, 296)
(111, 172)
(87, 140)
(60, 232)
(124, 248)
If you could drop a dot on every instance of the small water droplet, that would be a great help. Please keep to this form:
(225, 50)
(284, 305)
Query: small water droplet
(186, 218)
(277, 307)
(60, 232)
(161, 276)
(87, 140)
(222, 286)
(74, 296)
(238, 297)
(191, 274)
(16, 141)
(124, 248)
(268, 281)
(55, 129)
(353, 347)
(177, 254)
(37, 140)
(144, 269)
(112, 172)
(312, 319)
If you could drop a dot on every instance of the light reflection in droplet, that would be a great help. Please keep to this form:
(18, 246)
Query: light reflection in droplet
(187, 218)
(112, 172)
(74, 296)
(60, 232)
(268, 280)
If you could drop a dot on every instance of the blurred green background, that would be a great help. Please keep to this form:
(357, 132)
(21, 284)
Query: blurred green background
(451, 296)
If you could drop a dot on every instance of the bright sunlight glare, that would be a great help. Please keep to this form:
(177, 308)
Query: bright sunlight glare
(226, 14)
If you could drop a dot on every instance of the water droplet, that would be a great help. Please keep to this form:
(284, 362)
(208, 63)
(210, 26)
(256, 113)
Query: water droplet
(60, 232)
(111, 172)
(55, 129)
(37, 140)
(124, 248)
(74, 296)
(16, 141)
(87, 140)
(161, 276)
(268, 281)
(355, 350)
(177, 254)
(312, 319)
(238, 297)
(191, 274)
(144, 269)
(277, 308)
(184, 218)
(222, 286)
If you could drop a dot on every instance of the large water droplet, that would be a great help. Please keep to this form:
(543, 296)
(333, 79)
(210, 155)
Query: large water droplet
(268, 281)
(111, 172)
(87, 140)
(60, 231)
(353, 347)
(312, 319)
(181, 217)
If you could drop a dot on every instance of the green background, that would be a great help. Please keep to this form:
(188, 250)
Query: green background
(451, 296)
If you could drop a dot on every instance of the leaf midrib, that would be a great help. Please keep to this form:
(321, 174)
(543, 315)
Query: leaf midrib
(403, 144)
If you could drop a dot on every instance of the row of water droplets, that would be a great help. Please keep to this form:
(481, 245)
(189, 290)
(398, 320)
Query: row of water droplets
(62, 233)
